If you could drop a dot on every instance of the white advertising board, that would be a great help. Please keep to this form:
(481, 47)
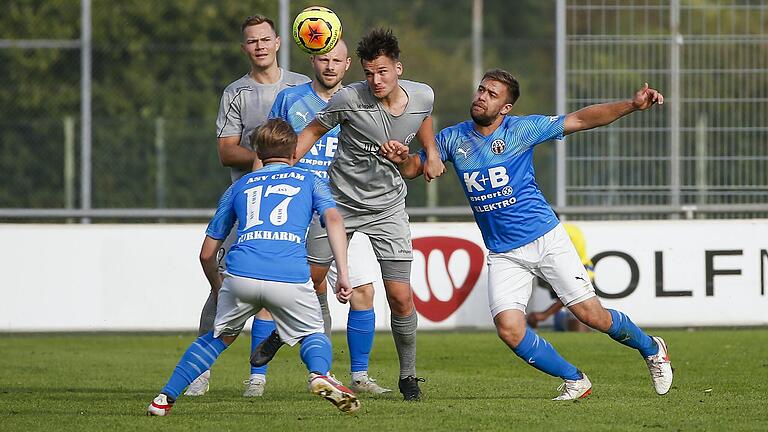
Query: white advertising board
(147, 277)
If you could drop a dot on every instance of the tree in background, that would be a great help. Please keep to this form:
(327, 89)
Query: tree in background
(170, 60)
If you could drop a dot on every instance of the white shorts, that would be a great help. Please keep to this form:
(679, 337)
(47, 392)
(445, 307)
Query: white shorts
(551, 257)
(294, 307)
(362, 263)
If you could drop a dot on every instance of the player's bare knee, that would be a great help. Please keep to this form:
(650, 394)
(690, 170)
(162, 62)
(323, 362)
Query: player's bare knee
(321, 287)
(601, 320)
(596, 318)
(397, 276)
(362, 297)
(510, 326)
(318, 274)
(592, 313)
(512, 335)
(400, 303)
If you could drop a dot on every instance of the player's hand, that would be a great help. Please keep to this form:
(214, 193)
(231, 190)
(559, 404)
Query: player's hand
(343, 289)
(395, 151)
(646, 97)
(433, 168)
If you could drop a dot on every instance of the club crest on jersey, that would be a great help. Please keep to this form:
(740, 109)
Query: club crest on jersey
(498, 146)
(409, 138)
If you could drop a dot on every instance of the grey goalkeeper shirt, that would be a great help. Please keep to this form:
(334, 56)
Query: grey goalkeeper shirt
(360, 178)
(245, 105)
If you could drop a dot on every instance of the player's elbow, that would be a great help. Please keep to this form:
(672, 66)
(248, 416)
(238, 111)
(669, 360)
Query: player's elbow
(206, 257)
(208, 252)
(225, 157)
(227, 148)
(333, 218)
(573, 123)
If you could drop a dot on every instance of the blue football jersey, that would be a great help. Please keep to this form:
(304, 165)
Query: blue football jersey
(273, 208)
(298, 106)
(498, 178)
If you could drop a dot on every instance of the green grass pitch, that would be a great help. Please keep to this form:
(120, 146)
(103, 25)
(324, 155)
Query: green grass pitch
(85, 382)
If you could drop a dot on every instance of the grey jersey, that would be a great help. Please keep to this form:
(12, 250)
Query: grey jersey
(245, 106)
(360, 177)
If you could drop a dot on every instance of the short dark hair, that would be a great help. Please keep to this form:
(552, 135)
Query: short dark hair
(274, 139)
(256, 20)
(378, 42)
(506, 78)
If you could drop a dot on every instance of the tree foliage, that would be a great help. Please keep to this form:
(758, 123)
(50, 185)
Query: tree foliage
(171, 59)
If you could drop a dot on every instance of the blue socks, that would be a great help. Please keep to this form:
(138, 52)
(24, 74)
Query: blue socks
(316, 353)
(540, 354)
(361, 326)
(197, 359)
(260, 330)
(625, 332)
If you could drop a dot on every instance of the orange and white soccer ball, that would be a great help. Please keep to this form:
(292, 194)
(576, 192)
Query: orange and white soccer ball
(316, 30)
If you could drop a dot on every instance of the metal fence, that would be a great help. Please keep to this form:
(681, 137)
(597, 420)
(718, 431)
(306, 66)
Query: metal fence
(111, 105)
(146, 152)
(707, 146)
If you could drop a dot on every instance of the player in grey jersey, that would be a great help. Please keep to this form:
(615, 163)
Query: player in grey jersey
(368, 188)
(245, 105)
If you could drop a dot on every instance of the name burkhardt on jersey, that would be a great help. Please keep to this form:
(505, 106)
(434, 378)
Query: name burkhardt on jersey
(270, 235)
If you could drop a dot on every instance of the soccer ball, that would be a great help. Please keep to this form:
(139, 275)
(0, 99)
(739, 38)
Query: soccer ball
(316, 30)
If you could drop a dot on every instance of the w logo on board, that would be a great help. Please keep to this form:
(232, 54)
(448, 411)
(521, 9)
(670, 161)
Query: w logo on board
(452, 267)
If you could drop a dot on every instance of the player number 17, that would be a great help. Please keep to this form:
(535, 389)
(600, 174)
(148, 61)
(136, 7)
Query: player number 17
(279, 214)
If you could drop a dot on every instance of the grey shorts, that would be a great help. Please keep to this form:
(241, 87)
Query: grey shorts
(388, 230)
(294, 307)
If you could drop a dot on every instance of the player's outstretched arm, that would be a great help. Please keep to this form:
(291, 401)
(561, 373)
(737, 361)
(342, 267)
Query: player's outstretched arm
(409, 165)
(602, 114)
(337, 237)
(210, 264)
(308, 137)
(234, 156)
(433, 166)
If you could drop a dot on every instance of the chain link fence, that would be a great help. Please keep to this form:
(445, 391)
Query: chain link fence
(707, 145)
(158, 69)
